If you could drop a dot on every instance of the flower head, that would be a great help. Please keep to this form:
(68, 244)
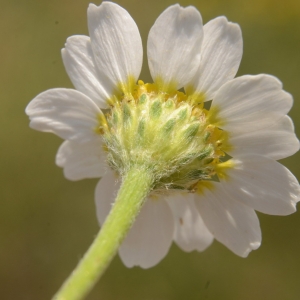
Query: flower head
(212, 167)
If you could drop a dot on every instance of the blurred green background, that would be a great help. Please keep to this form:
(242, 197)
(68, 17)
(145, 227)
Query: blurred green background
(47, 222)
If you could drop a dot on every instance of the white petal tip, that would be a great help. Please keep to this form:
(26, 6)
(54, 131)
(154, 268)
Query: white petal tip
(105, 4)
(223, 20)
(230, 27)
(255, 245)
(141, 265)
(292, 208)
(245, 254)
(188, 12)
(252, 246)
(297, 145)
(36, 126)
(92, 6)
(30, 108)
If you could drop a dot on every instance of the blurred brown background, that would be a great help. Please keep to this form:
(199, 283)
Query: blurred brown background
(47, 222)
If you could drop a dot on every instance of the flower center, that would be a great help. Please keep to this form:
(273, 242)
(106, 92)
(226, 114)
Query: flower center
(169, 134)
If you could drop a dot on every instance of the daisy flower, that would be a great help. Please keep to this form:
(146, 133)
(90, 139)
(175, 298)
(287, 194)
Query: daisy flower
(210, 167)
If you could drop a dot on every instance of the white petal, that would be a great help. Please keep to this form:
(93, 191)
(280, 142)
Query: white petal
(105, 195)
(67, 113)
(81, 160)
(116, 43)
(250, 103)
(221, 54)
(277, 141)
(232, 223)
(190, 232)
(262, 184)
(150, 237)
(174, 45)
(79, 63)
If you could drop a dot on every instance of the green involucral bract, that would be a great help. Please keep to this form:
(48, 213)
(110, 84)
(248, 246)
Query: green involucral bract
(167, 134)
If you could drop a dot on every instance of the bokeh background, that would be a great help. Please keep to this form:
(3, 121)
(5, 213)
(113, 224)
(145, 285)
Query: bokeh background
(47, 222)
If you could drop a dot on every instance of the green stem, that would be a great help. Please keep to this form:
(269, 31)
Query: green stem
(135, 187)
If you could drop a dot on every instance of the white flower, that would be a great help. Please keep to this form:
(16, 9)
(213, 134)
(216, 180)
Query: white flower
(251, 112)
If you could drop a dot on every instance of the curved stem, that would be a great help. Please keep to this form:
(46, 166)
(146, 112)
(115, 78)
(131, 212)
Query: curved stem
(135, 187)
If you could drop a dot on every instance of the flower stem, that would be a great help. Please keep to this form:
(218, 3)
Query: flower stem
(135, 187)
